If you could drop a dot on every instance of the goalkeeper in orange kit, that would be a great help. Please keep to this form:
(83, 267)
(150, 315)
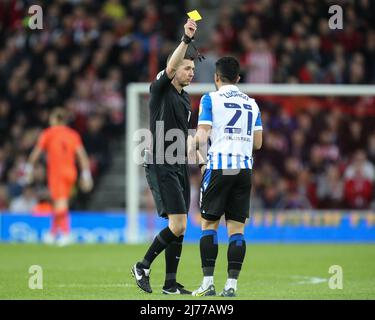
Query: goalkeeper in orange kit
(62, 146)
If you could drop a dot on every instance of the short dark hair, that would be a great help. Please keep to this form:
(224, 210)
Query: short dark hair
(228, 69)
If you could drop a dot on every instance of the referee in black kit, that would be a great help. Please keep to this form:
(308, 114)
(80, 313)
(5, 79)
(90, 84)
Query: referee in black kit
(170, 109)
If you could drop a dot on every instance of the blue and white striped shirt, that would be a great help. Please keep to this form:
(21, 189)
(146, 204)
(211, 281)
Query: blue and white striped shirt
(234, 117)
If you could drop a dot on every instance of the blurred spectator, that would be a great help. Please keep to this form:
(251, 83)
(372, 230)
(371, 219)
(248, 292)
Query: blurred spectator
(317, 163)
(271, 197)
(4, 198)
(25, 202)
(358, 191)
(259, 63)
(298, 146)
(96, 144)
(3, 163)
(371, 148)
(360, 164)
(204, 71)
(330, 188)
(295, 200)
(307, 187)
(14, 186)
(355, 138)
(224, 29)
(327, 147)
(359, 182)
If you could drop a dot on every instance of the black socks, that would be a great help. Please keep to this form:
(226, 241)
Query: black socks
(236, 255)
(209, 250)
(161, 241)
(172, 259)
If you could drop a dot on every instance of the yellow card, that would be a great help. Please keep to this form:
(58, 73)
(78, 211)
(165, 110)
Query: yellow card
(194, 15)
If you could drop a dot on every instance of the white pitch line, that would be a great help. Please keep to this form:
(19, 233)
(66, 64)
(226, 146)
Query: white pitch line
(97, 285)
(309, 280)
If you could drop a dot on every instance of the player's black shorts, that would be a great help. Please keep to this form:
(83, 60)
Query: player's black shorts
(170, 187)
(223, 193)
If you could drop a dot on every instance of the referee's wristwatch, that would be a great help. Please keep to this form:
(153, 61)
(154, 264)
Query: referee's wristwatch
(186, 39)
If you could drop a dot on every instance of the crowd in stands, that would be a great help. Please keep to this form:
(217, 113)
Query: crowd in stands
(313, 156)
(291, 41)
(89, 50)
(317, 153)
(82, 59)
(316, 158)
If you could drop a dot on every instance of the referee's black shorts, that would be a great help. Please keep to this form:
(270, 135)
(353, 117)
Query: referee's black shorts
(225, 193)
(170, 187)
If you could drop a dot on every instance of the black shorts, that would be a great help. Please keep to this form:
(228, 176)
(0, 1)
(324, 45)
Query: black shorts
(170, 187)
(225, 194)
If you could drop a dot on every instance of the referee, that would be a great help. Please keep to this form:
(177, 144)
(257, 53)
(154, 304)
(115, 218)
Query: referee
(167, 173)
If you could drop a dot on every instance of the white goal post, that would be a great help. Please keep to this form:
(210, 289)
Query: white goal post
(133, 105)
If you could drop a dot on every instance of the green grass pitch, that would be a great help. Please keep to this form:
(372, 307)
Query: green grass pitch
(270, 271)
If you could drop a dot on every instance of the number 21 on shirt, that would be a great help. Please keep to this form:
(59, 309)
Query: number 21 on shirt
(230, 128)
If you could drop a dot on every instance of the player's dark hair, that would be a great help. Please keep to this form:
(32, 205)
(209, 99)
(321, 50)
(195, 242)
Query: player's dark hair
(228, 69)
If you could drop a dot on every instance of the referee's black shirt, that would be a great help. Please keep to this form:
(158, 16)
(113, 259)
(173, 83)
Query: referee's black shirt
(174, 110)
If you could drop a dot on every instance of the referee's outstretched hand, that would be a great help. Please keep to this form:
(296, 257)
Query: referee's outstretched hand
(190, 27)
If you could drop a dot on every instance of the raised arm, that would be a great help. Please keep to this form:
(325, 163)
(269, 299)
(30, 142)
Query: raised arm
(178, 55)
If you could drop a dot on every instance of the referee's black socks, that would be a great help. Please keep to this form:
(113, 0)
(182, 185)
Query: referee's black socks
(236, 254)
(161, 241)
(172, 258)
(209, 249)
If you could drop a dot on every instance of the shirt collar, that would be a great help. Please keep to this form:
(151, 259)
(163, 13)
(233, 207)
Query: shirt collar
(229, 87)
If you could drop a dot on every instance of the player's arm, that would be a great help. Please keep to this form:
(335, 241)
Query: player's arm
(258, 132)
(33, 159)
(258, 139)
(35, 155)
(197, 146)
(178, 55)
(200, 140)
(86, 182)
(165, 77)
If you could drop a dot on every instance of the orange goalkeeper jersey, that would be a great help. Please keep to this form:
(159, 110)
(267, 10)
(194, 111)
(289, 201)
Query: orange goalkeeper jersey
(60, 144)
